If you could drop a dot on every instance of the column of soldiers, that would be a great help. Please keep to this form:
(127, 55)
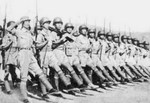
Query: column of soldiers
(69, 59)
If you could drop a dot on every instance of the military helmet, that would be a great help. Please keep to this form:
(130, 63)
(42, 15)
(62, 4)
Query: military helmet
(108, 35)
(69, 25)
(135, 41)
(82, 27)
(92, 30)
(9, 23)
(116, 36)
(123, 38)
(44, 20)
(101, 34)
(57, 20)
(129, 39)
(24, 18)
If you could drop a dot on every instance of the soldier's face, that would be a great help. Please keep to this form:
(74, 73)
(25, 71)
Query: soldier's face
(129, 41)
(58, 26)
(109, 37)
(84, 31)
(92, 35)
(69, 30)
(116, 39)
(26, 24)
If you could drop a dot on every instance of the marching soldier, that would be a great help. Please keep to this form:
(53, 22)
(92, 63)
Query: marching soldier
(10, 46)
(47, 57)
(115, 47)
(84, 51)
(105, 55)
(59, 52)
(120, 55)
(71, 49)
(25, 58)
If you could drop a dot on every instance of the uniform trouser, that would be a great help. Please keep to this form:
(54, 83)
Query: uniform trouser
(9, 69)
(110, 68)
(73, 73)
(26, 61)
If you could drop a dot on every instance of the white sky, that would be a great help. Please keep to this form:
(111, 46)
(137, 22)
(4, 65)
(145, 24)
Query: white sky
(123, 14)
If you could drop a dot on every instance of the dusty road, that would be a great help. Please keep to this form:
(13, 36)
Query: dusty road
(132, 93)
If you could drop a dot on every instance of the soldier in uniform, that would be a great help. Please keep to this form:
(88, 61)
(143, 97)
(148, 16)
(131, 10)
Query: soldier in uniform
(95, 52)
(47, 57)
(106, 49)
(84, 46)
(58, 41)
(115, 47)
(101, 38)
(120, 55)
(129, 59)
(135, 56)
(72, 52)
(10, 46)
(25, 58)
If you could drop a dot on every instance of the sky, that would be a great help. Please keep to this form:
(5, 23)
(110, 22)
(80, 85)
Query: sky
(122, 15)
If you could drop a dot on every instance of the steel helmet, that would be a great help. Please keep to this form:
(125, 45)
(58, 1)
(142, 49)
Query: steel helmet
(44, 20)
(57, 20)
(82, 27)
(69, 25)
(24, 18)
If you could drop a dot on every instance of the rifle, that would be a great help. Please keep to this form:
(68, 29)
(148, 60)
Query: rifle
(3, 34)
(36, 33)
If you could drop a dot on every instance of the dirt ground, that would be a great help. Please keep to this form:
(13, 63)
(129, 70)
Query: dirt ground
(131, 93)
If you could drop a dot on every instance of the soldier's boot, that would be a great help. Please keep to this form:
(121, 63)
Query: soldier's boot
(141, 71)
(76, 78)
(135, 71)
(107, 75)
(128, 72)
(89, 75)
(46, 83)
(99, 74)
(23, 90)
(63, 78)
(120, 73)
(145, 70)
(86, 79)
(115, 75)
(6, 83)
(83, 75)
(7, 86)
(44, 92)
(56, 80)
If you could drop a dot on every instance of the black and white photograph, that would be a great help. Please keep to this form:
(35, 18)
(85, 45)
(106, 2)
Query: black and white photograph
(74, 51)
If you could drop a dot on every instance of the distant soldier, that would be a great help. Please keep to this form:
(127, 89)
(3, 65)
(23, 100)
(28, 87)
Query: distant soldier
(106, 49)
(115, 47)
(25, 58)
(120, 55)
